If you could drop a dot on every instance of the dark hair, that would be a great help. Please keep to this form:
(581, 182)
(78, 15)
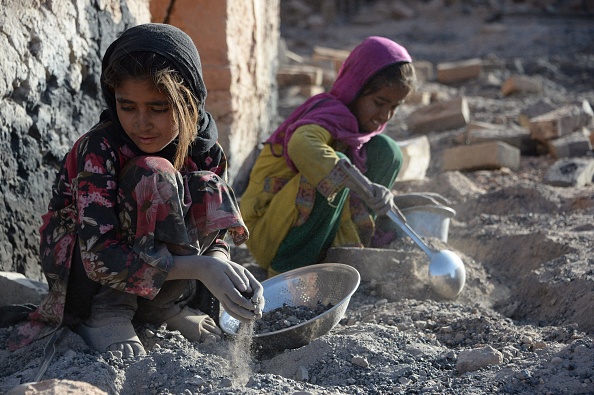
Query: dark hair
(402, 73)
(155, 68)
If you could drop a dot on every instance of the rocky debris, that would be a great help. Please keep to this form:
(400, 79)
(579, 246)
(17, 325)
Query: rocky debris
(287, 316)
(523, 322)
(478, 358)
(572, 172)
(15, 288)
(53, 386)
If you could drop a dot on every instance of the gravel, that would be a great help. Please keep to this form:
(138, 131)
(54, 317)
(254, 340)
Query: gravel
(523, 323)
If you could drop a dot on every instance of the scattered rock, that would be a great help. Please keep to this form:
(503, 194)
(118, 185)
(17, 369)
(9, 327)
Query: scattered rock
(522, 323)
(475, 359)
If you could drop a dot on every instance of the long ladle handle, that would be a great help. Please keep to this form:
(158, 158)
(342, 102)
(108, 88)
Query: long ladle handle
(410, 232)
(363, 185)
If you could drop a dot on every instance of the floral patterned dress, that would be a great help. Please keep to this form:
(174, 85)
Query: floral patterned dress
(126, 240)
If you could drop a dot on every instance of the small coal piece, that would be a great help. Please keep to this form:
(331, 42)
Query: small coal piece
(288, 316)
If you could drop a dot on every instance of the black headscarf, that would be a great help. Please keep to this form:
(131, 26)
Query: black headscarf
(179, 49)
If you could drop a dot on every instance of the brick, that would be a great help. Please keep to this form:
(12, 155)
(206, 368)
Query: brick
(480, 132)
(560, 121)
(217, 78)
(572, 145)
(493, 63)
(219, 104)
(158, 10)
(294, 94)
(324, 53)
(201, 20)
(416, 155)
(285, 55)
(570, 172)
(328, 72)
(459, 71)
(540, 107)
(310, 90)
(484, 156)
(520, 84)
(15, 288)
(419, 97)
(336, 56)
(299, 75)
(440, 116)
(423, 70)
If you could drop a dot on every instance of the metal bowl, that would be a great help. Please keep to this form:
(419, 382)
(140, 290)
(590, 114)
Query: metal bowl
(325, 283)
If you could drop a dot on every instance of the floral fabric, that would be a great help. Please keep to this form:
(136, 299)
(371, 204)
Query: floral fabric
(125, 238)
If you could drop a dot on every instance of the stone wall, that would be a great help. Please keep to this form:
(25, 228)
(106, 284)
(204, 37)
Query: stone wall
(50, 92)
(49, 95)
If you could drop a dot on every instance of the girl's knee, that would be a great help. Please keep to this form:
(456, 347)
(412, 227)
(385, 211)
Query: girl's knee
(382, 146)
(137, 170)
(384, 160)
(148, 162)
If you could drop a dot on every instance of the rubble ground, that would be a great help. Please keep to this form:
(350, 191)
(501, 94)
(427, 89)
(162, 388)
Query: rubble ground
(523, 323)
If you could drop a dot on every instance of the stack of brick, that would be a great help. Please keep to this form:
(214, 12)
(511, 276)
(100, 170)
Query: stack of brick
(564, 131)
(307, 79)
(543, 128)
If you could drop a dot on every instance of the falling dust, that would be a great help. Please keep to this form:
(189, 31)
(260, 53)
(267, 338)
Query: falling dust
(242, 359)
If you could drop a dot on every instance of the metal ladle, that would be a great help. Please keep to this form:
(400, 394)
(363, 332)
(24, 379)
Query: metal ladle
(447, 274)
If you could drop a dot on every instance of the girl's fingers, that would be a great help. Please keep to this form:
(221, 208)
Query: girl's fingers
(243, 282)
(258, 295)
(240, 279)
(235, 296)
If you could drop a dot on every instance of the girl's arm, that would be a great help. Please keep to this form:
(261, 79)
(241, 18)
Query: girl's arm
(310, 150)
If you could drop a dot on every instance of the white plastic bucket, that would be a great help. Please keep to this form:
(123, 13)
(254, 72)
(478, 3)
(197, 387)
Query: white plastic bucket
(429, 220)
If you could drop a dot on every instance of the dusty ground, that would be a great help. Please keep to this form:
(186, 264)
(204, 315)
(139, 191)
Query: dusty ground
(523, 323)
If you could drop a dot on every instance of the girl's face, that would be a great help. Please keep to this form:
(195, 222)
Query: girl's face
(377, 108)
(145, 115)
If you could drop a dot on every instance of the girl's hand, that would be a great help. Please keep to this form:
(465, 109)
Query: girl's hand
(380, 200)
(227, 281)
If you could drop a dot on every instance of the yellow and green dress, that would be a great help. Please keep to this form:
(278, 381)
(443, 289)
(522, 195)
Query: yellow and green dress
(295, 216)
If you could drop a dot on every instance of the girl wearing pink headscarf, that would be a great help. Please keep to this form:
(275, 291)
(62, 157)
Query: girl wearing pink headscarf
(297, 203)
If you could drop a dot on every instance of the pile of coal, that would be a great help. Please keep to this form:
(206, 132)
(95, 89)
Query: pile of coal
(287, 316)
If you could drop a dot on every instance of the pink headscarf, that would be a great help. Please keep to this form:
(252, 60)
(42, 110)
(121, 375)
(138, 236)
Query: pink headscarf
(330, 110)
